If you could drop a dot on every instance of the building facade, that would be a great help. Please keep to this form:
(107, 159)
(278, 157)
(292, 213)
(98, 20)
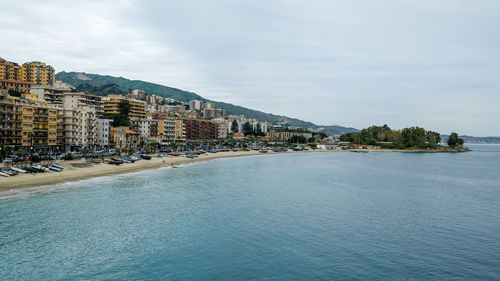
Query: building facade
(197, 130)
(111, 105)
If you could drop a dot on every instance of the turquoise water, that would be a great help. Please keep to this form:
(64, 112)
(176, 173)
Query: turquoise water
(311, 216)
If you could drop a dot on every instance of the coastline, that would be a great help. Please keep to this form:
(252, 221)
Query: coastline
(73, 173)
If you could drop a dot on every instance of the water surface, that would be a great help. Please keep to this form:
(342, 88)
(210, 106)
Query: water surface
(314, 216)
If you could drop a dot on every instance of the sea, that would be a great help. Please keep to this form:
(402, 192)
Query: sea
(304, 216)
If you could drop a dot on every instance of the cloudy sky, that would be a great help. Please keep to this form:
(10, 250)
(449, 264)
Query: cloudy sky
(428, 63)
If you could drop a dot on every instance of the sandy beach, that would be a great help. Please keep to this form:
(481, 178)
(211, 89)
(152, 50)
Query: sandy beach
(79, 170)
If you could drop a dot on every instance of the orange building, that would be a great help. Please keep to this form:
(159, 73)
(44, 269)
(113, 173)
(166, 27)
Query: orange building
(19, 86)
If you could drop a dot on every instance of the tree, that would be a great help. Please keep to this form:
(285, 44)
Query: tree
(247, 129)
(454, 140)
(5, 151)
(298, 139)
(234, 126)
(121, 119)
(258, 128)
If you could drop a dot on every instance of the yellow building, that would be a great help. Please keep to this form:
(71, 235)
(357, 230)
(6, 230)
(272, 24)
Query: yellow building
(34, 72)
(180, 130)
(10, 122)
(9, 70)
(112, 102)
(38, 73)
(27, 123)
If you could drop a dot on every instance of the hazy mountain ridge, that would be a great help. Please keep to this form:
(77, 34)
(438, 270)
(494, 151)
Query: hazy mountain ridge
(471, 139)
(104, 85)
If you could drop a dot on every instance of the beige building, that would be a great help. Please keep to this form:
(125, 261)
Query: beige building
(180, 131)
(125, 138)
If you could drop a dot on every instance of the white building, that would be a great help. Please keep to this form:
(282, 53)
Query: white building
(209, 105)
(195, 105)
(222, 127)
(142, 126)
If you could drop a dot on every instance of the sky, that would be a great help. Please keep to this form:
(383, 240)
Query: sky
(428, 63)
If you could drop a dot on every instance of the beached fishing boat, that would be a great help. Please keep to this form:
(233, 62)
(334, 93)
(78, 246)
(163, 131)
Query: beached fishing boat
(4, 174)
(10, 172)
(59, 167)
(115, 161)
(145, 157)
(55, 169)
(30, 169)
(18, 170)
(263, 151)
(41, 168)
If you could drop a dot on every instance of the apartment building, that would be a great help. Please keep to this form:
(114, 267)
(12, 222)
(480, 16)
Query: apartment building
(180, 130)
(11, 127)
(200, 129)
(52, 93)
(27, 123)
(18, 86)
(38, 73)
(111, 106)
(103, 131)
(145, 127)
(70, 128)
(195, 105)
(10, 70)
(34, 72)
(166, 131)
(222, 127)
(212, 113)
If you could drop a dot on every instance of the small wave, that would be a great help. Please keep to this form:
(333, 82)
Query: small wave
(20, 193)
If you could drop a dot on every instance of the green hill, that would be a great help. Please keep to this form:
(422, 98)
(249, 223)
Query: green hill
(104, 85)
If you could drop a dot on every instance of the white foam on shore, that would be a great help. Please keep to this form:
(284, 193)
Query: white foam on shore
(19, 193)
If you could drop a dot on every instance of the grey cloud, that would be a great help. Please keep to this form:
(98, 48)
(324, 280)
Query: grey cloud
(425, 63)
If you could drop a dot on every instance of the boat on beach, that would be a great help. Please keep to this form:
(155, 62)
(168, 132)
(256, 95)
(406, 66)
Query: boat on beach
(114, 161)
(54, 169)
(41, 168)
(30, 169)
(18, 170)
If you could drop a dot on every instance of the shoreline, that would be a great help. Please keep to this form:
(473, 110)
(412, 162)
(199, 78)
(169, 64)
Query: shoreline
(73, 173)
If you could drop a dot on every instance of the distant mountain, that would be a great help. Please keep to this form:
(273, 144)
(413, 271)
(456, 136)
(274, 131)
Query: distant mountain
(104, 85)
(471, 139)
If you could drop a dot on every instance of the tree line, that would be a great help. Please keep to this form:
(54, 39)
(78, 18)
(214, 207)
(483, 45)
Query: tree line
(413, 137)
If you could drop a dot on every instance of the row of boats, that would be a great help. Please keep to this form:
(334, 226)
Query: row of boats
(13, 171)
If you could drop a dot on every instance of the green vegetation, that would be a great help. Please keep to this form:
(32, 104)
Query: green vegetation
(15, 93)
(234, 126)
(385, 137)
(104, 85)
(298, 139)
(121, 119)
(248, 130)
(454, 140)
(4, 151)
